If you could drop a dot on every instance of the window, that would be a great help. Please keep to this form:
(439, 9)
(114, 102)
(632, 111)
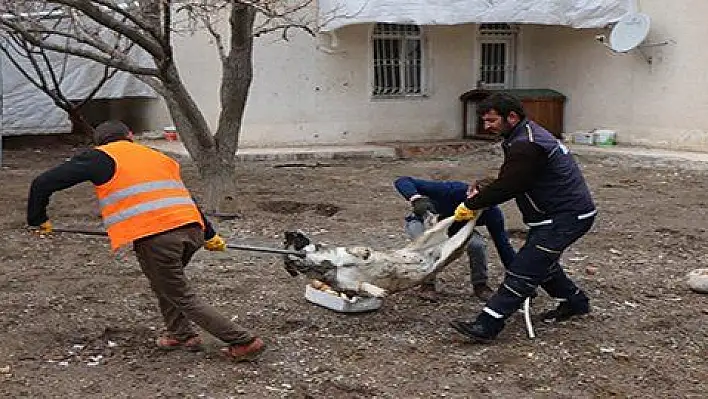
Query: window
(497, 55)
(397, 61)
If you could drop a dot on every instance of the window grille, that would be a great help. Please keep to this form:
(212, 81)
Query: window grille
(497, 53)
(397, 60)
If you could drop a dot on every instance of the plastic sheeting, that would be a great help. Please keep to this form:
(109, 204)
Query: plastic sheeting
(27, 110)
(575, 13)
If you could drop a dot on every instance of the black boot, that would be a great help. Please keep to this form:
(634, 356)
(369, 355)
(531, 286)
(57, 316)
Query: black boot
(575, 306)
(483, 330)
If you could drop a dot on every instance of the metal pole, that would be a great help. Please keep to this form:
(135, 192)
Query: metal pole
(239, 247)
(266, 249)
(81, 231)
(527, 318)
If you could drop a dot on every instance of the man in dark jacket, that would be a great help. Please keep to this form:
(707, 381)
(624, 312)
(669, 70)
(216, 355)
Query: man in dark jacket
(144, 202)
(441, 198)
(541, 175)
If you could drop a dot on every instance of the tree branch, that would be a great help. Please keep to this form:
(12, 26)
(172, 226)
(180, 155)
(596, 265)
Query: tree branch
(115, 59)
(282, 18)
(218, 41)
(284, 27)
(153, 47)
(39, 82)
(108, 73)
(153, 30)
(56, 81)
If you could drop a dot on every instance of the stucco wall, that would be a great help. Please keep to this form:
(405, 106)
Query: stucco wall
(659, 104)
(304, 96)
(301, 95)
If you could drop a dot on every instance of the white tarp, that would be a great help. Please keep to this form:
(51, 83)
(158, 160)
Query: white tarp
(576, 13)
(27, 110)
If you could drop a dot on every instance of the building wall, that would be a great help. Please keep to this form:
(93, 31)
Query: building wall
(659, 104)
(301, 95)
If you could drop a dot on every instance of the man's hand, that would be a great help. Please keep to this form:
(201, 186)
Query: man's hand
(45, 228)
(463, 214)
(215, 243)
(421, 205)
(481, 184)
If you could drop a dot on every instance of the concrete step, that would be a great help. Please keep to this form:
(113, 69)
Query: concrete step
(289, 154)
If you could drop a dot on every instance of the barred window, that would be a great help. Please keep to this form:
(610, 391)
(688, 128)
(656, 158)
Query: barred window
(397, 60)
(497, 55)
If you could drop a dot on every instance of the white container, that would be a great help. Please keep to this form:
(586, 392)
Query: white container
(604, 137)
(338, 304)
(698, 280)
(585, 138)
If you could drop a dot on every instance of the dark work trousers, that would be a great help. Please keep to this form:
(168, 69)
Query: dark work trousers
(536, 264)
(163, 258)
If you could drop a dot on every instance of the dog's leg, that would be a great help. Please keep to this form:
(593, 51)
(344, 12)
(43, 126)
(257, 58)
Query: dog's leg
(371, 289)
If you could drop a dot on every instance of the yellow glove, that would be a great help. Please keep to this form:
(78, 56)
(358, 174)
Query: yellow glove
(463, 214)
(45, 228)
(215, 243)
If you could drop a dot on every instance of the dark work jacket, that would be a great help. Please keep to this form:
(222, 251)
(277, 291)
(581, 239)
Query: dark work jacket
(560, 187)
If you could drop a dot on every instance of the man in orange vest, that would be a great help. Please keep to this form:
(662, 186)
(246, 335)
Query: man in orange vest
(143, 201)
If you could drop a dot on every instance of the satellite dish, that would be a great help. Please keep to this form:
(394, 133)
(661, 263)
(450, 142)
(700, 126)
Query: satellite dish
(629, 32)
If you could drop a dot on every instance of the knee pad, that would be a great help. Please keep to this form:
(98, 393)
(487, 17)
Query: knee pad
(519, 286)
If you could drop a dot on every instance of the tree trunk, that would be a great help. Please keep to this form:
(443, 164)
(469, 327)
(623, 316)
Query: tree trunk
(236, 81)
(215, 155)
(221, 186)
(81, 130)
(218, 171)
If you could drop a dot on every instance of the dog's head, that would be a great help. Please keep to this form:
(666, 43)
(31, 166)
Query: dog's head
(295, 240)
(307, 265)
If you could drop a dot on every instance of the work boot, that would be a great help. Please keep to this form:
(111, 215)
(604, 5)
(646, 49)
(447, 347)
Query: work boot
(245, 352)
(477, 332)
(169, 342)
(565, 310)
(482, 291)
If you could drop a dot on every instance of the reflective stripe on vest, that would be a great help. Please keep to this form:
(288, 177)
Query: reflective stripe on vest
(144, 208)
(139, 189)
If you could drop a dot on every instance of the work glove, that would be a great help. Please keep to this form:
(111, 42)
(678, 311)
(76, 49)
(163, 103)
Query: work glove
(463, 214)
(422, 205)
(215, 243)
(45, 228)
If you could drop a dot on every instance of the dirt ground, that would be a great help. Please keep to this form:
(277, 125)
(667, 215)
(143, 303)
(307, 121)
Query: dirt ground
(79, 321)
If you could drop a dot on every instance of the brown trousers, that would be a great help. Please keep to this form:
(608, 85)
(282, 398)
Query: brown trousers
(163, 258)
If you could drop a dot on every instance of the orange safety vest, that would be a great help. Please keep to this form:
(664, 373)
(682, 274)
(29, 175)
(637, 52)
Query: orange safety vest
(145, 196)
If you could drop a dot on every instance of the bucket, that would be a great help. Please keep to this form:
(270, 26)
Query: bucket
(170, 133)
(604, 137)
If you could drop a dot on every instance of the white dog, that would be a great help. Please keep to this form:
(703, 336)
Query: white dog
(378, 272)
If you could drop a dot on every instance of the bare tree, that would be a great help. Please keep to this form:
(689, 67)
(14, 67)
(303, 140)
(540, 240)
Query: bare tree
(105, 31)
(47, 72)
